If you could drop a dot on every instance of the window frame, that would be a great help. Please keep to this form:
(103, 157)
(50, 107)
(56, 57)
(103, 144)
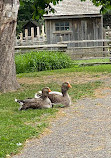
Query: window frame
(62, 26)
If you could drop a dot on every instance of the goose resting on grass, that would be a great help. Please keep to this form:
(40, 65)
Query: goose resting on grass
(59, 97)
(36, 103)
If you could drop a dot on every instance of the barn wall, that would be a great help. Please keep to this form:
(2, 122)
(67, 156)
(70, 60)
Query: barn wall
(54, 36)
(80, 29)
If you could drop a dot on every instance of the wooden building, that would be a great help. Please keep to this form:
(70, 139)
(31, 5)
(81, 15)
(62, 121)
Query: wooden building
(29, 25)
(74, 20)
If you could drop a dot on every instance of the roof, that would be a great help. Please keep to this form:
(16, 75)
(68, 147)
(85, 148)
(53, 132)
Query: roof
(73, 7)
(31, 21)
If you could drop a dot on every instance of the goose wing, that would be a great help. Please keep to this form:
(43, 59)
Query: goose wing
(55, 98)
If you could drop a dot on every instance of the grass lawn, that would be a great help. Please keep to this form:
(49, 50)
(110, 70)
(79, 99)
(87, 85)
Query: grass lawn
(18, 126)
(99, 60)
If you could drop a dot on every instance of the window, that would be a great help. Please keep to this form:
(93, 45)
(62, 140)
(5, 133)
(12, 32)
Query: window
(62, 26)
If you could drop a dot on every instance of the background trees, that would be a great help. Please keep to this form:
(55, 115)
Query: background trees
(8, 17)
(106, 4)
(34, 9)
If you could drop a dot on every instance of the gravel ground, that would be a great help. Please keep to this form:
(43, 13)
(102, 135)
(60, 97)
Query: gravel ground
(83, 131)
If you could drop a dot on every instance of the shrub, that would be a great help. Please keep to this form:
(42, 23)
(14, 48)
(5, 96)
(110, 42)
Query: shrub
(40, 61)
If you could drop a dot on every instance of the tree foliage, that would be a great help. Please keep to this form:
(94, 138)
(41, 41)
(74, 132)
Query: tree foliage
(33, 9)
(107, 19)
(106, 5)
(36, 8)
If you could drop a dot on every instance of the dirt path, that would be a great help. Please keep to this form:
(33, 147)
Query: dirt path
(80, 131)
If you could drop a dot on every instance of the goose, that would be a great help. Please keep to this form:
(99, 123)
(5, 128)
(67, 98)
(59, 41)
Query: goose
(63, 97)
(36, 103)
(59, 97)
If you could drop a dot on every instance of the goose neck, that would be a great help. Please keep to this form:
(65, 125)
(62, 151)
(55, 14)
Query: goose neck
(64, 93)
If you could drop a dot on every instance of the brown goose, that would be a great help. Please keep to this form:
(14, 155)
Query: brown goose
(59, 97)
(36, 103)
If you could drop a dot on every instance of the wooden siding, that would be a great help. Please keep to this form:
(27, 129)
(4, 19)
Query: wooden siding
(80, 29)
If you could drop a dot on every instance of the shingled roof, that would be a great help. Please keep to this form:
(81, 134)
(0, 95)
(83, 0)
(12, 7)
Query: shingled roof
(74, 7)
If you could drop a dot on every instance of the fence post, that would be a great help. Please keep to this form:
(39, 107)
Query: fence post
(110, 51)
(61, 38)
(26, 34)
(109, 37)
(38, 33)
(32, 33)
(43, 32)
(21, 38)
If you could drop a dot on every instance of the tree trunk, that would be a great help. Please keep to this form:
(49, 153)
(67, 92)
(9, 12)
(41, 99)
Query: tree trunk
(8, 20)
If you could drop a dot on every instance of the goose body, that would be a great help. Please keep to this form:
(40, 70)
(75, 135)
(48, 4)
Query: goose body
(36, 103)
(63, 97)
(59, 97)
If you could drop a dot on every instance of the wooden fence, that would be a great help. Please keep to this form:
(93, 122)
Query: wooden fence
(88, 48)
(31, 40)
(84, 49)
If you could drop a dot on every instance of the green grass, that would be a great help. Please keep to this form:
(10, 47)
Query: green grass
(97, 68)
(90, 69)
(104, 60)
(18, 126)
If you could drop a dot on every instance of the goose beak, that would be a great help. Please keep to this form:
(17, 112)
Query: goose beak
(69, 85)
(49, 90)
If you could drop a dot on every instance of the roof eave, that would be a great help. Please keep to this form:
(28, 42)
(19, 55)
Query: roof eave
(71, 16)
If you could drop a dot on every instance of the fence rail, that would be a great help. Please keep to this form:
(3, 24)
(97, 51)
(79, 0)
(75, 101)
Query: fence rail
(32, 40)
(52, 47)
(83, 49)
(84, 41)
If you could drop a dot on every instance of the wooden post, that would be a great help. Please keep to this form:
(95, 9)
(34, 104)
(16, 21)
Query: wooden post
(21, 38)
(61, 38)
(32, 33)
(43, 32)
(26, 34)
(38, 33)
(110, 50)
(109, 37)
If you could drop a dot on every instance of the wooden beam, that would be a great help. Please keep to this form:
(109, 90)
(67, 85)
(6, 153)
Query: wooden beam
(42, 46)
(72, 16)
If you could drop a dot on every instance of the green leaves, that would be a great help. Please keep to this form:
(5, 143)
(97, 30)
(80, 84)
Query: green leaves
(40, 61)
(34, 8)
(105, 4)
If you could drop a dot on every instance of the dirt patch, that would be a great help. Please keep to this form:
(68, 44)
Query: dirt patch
(31, 80)
(102, 92)
(72, 77)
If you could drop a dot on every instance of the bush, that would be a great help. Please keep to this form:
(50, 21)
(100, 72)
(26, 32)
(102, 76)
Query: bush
(40, 61)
